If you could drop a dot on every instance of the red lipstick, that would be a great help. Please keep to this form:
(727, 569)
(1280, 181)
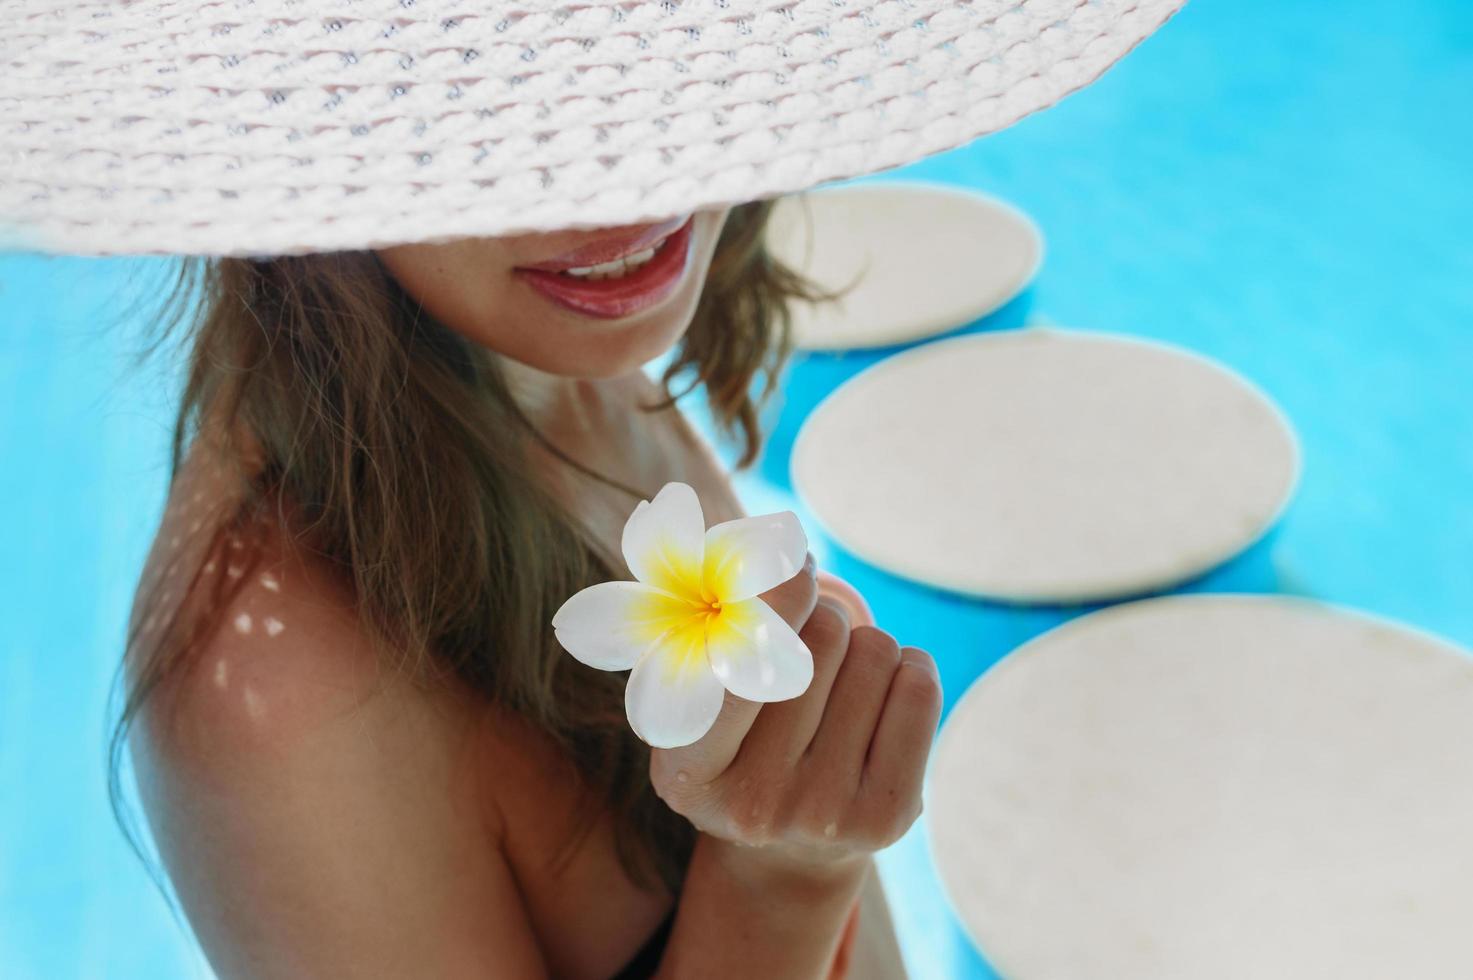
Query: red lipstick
(625, 295)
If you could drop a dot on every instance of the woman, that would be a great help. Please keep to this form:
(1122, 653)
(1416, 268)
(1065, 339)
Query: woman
(360, 749)
(402, 447)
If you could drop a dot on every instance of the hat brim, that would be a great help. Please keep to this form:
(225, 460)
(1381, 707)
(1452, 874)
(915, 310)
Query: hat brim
(146, 128)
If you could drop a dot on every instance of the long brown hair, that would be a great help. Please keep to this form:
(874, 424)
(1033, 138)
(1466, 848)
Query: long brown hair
(404, 457)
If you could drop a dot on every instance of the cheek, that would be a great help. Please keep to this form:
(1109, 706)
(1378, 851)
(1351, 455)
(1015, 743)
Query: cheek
(466, 285)
(476, 296)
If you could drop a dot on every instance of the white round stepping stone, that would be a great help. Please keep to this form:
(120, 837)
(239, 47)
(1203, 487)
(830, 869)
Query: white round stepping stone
(1046, 465)
(927, 258)
(1213, 786)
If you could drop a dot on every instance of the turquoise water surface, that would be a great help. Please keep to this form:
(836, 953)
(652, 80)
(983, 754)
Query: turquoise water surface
(1282, 186)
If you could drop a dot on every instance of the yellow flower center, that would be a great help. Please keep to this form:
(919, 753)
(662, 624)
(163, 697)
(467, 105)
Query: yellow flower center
(691, 609)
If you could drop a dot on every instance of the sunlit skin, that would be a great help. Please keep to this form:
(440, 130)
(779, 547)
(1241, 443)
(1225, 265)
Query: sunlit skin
(296, 784)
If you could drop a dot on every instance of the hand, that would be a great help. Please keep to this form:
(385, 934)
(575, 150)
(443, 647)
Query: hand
(816, 783)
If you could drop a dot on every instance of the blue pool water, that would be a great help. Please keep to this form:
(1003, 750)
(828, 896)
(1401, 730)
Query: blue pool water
(1282, 186)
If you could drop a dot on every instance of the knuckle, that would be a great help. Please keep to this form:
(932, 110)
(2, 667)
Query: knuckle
(752, 815)
(820, 820)
(897, 826)
(918, 684)
(870, 834)
(888, 814)
(890, 818)
(827, 627)
(679, 795)
(878, 646)
(874, 653)
(681, 781)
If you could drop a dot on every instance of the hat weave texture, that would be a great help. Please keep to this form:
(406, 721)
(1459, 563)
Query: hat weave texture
(249, 127)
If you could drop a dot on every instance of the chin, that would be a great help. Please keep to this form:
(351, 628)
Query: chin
(583, 347)
(596, 351)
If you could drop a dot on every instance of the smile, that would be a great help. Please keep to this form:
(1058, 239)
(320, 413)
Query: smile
(621, 287)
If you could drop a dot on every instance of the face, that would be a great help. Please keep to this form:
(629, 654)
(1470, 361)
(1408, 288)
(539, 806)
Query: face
(515, 295)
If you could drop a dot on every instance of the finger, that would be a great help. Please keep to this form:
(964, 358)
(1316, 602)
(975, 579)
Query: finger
(785, 728)
(842, 740)
(794, 599)
(895, 769)
(704, 760)
(848, 596)
(708, 757)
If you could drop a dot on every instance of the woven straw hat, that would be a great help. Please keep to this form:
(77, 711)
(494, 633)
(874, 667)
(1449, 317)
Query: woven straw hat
(251, 127)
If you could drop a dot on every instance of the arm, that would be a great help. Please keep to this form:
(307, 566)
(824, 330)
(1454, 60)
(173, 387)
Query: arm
(737, 918)
(319, 819)
(793, 797)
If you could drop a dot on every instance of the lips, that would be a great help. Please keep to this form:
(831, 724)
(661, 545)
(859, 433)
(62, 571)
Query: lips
(626, 295)
(611, 247)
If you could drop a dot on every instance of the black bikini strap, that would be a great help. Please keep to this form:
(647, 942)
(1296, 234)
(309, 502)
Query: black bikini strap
(647, 960)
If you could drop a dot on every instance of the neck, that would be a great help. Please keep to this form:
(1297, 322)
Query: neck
(548, 400)
(588, 422)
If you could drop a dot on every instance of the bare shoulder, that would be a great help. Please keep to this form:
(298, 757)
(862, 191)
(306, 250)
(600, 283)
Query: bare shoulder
(284, 663)
(320, 813)
(284, 657)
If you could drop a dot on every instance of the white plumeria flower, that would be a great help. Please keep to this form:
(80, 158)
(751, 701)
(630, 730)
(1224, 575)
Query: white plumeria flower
(693, 624)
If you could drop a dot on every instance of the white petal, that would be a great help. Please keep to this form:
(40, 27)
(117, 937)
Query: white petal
(673, 698)
(664, 540)
(609, 625)
(749, 555)
(756, 654)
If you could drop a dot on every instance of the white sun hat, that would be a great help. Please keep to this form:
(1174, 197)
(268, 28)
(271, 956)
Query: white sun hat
(249, 127)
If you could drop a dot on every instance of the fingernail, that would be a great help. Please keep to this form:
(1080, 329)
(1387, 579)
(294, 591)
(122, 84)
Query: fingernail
(810, 564)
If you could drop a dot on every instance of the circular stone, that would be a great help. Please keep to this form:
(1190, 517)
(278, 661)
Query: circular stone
(1046, 465)
(927, 258)
(1213, 786)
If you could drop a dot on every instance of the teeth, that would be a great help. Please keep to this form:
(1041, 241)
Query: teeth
(616, 268)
